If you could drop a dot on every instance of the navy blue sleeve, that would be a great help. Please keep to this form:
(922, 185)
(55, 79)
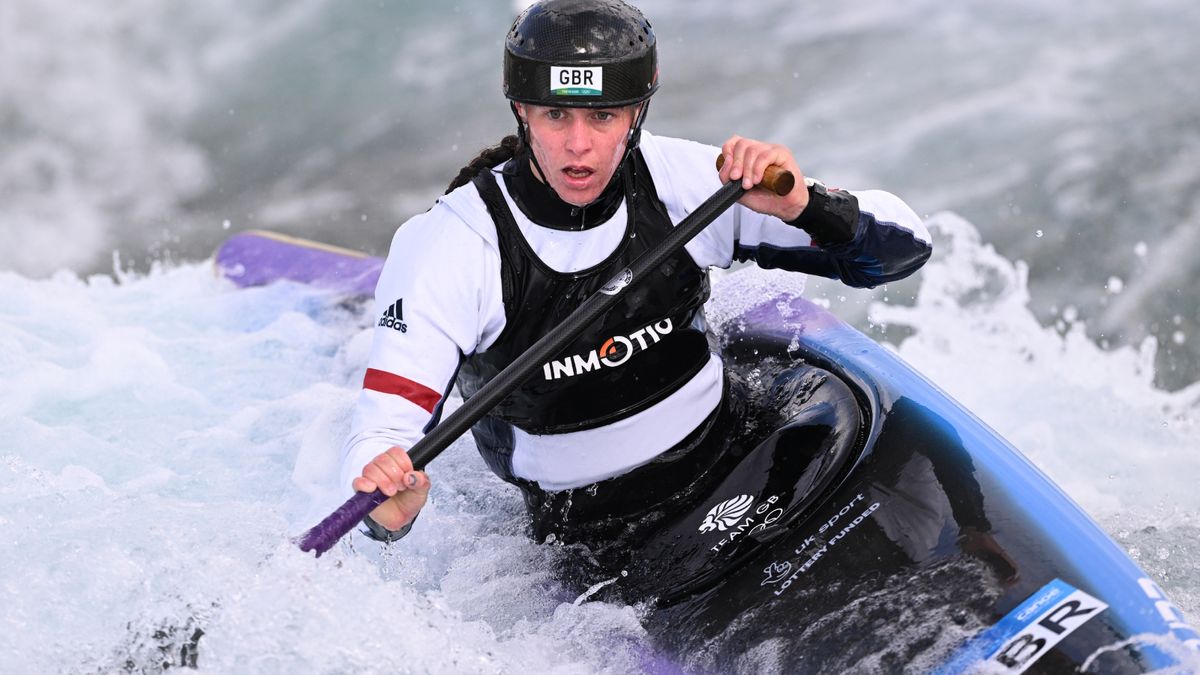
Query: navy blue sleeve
(850, 243)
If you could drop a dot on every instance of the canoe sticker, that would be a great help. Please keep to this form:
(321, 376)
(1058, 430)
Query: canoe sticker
(817, 546)
(1028, 632)
(735, 518)
(1171, 614)
(726, 514)
(776, 572)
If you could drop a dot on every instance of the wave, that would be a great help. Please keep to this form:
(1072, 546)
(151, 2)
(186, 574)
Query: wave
(167, 432)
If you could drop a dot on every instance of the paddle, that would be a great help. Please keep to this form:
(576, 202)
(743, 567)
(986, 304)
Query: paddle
(326, 533)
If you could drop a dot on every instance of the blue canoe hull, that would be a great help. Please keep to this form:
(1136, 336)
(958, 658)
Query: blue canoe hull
(935, 543)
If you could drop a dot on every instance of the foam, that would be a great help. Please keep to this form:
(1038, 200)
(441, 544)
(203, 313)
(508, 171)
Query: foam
(166, 434)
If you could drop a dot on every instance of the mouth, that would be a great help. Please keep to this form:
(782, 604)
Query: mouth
(577, 174)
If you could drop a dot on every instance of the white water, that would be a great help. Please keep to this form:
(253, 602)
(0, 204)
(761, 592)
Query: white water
(1065, 131)
(165, 434)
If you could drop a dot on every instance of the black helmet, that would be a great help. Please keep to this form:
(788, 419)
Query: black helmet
(580, 54)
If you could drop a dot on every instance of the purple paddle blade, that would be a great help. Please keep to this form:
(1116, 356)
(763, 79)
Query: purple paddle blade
(256, 258)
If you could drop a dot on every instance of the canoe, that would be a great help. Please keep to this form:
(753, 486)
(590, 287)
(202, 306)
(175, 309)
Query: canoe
(880, 527)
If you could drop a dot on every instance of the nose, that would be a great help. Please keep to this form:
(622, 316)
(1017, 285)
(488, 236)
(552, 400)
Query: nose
(579, 136)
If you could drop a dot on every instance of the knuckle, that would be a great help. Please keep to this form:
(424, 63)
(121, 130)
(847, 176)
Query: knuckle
(399, 456)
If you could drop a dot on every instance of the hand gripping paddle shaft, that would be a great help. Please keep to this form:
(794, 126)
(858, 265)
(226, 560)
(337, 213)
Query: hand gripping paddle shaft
(326, 533)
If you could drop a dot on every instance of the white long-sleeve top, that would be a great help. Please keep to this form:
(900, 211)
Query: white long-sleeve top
(439, 298)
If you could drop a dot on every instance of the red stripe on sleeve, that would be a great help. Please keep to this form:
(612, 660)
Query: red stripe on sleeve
(389, 383)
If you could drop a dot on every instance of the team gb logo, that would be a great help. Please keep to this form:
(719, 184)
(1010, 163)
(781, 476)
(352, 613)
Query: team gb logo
(726, 514)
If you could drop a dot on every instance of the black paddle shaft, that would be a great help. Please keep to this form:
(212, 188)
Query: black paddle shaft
(325, 534)
(553, 343)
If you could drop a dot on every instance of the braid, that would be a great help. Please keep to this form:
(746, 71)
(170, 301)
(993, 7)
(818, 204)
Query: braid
(508, 148)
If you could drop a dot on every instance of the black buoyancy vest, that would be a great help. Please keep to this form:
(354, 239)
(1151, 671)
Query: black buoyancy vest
(646, 347)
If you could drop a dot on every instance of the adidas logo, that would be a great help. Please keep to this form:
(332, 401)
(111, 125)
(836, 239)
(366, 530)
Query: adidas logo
(393, 317)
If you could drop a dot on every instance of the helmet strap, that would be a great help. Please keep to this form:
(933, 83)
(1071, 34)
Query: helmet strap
(523, 136)
(635, 131)
(632, 141)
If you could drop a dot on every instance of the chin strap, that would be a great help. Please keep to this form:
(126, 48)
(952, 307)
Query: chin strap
(635, 131)
(523, 136)
(631, 144)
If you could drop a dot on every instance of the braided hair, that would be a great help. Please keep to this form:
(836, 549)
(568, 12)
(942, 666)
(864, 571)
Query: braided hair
(508, 148)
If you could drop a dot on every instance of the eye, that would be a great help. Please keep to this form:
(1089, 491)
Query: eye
(555, 114)
(603, 115)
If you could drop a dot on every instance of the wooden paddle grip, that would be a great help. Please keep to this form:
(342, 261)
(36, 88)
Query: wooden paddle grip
(777, 180)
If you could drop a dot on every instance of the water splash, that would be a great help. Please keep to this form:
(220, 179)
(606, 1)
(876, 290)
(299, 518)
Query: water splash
(166, 434)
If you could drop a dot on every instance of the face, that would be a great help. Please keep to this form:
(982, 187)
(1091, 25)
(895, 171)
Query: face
(578, 148)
